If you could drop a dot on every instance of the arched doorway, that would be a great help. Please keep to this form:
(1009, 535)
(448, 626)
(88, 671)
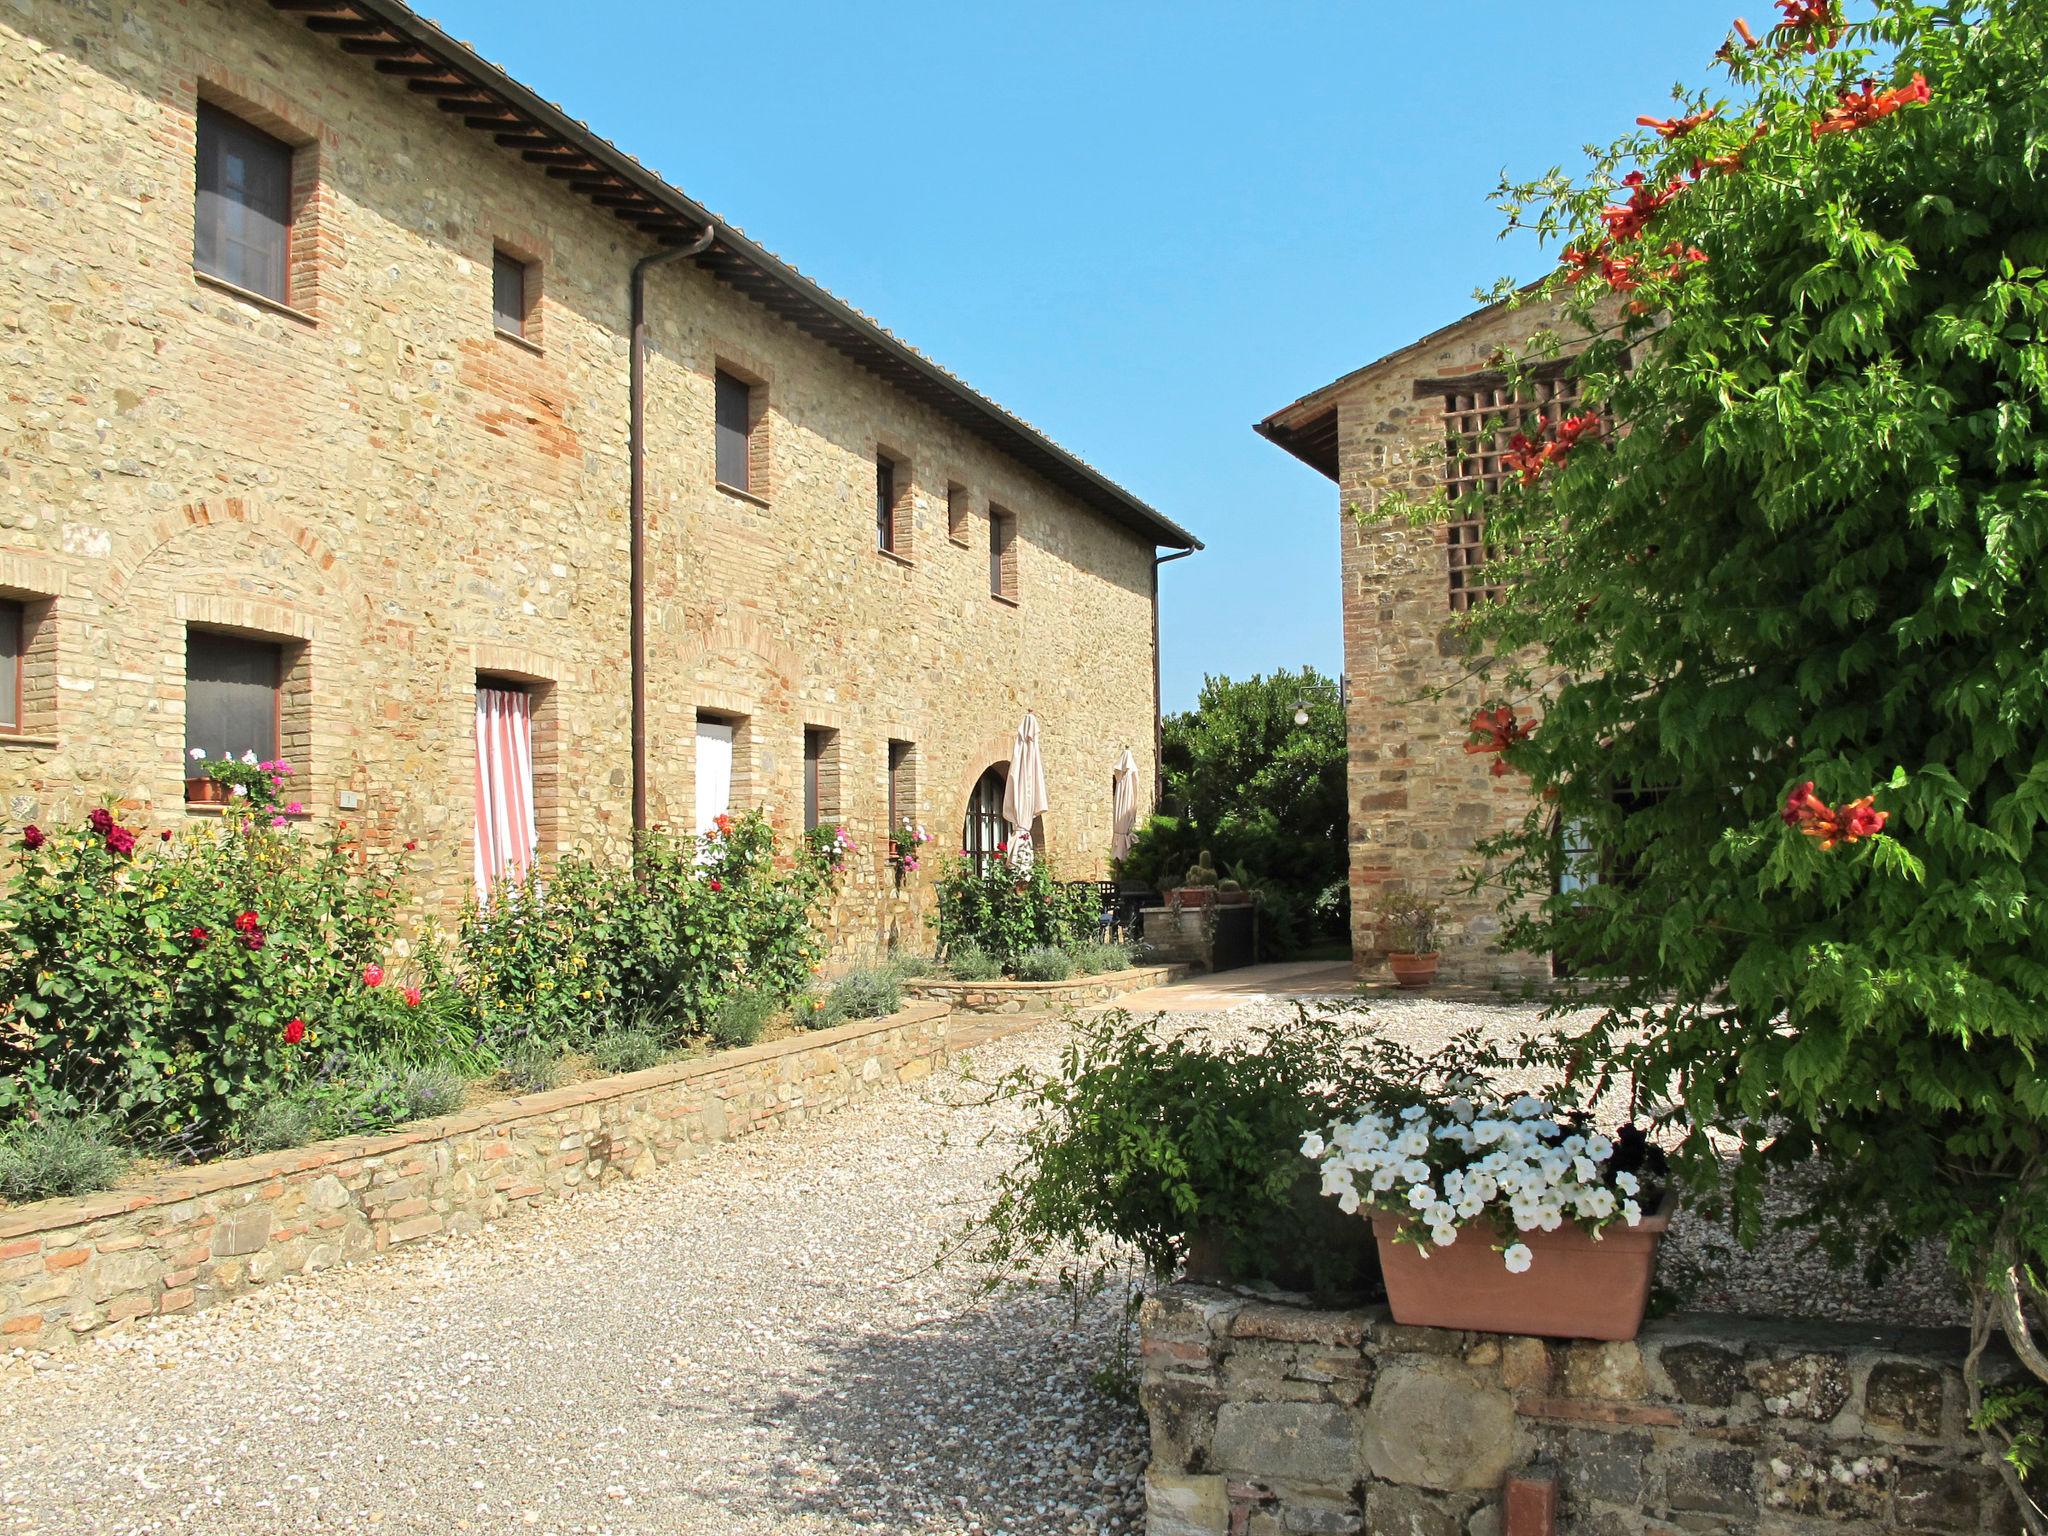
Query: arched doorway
(983, 829)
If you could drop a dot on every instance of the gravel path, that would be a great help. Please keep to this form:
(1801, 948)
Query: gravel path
(754, 1342)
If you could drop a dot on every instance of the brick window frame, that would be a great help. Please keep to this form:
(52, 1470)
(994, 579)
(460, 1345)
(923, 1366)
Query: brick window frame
(899, 783)
(540, 677)
(32, 678)
(901, 543)
(312, 241)
(532, 281)
(1002, 554)
(760, 457)
(1480, 413)
(959, 512)
(824, 789)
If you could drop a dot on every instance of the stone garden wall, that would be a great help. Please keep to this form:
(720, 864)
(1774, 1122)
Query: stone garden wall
(1046, 996)
(183, 1240)
(1269, 1419)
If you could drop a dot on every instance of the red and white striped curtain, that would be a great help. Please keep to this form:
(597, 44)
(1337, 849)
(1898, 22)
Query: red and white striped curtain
(505, 833)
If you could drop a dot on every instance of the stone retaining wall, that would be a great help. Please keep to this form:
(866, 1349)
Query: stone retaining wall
(184, 1240)
(1269, 1419)
(1046, 996)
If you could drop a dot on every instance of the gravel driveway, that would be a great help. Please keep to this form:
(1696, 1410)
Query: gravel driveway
(754, 1342)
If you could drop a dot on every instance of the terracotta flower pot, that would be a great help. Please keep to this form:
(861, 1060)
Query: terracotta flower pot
(205, 790)
(1232, 898)
(1194, 895)
(1576, 1287)
(1414, 972)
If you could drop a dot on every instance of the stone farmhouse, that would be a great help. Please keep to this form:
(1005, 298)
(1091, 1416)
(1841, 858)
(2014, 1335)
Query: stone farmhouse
(1418, 419)
(358, 407)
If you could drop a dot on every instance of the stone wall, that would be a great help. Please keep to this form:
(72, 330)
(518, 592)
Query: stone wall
(1418, 800)
(1269, 1419)
(1045, 996)
(404, 499)
(179, 1241)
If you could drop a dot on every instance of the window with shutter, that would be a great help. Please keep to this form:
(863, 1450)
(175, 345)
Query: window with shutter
(241, 229)
(885, 503)
(733, 408)
(10, 665)
(508, 293)
(231, 694)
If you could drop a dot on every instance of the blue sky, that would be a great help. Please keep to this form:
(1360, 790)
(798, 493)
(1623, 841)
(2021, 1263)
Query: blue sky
(1140, 226)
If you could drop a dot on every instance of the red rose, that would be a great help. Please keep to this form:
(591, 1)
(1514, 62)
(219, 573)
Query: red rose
(718, 885)
(165, 834)
(32, 838)
(246, 923)
(199, 935)
(412, 997)
(410, 844)
(100, 820)
(373, 975)
(120, 840)
(254, 939)
(295, 1031)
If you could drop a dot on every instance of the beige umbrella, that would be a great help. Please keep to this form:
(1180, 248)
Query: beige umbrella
(1123, 780)
(1024, 792)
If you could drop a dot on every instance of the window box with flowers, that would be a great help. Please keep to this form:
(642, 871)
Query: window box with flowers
(904, 843)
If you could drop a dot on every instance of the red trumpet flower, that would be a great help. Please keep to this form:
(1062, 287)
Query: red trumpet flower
(1494, 731)
(1859, 109)
(1816, 819)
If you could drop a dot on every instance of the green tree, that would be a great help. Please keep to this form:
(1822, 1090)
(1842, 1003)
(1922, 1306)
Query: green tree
(1799, 535)
(1263, 793)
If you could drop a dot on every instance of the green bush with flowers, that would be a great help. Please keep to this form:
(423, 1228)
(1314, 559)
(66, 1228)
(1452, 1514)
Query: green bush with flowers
(174, 982)
(994, 908)
(654, 944)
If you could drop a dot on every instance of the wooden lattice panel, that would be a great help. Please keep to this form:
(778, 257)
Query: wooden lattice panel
(1479, 418)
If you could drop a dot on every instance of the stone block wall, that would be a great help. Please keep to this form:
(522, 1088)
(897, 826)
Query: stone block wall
(1045, 996)
(179, 1241)
(1418, 801)
(1269, 1419)
(404, 499)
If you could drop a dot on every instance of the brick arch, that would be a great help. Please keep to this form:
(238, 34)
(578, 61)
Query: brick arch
(992, 750)
(743, 635)
(145, 546)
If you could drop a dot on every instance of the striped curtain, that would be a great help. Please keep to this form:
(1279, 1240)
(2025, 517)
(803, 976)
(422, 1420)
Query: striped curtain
(505, 833)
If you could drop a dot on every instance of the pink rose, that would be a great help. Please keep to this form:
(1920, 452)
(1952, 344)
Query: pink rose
(373, 975)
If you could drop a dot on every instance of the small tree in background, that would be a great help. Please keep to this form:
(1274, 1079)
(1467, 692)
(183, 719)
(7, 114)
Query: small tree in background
(1776, 642)
(1267, 796)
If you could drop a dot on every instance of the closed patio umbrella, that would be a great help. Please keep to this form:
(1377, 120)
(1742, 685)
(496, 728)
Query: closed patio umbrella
(1123, 804)
(1024, 792)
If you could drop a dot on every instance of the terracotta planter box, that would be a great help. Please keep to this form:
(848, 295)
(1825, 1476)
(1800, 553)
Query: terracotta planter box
(1413, 972)
(1232, 898)
(1575, 1287)
(1192, 896)
(205, 790)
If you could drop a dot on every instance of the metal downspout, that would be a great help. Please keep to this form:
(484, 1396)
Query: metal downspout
(1158, 702)
(636, 453)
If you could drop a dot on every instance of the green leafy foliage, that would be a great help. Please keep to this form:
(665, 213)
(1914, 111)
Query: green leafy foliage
(862, 994)
(1809, 544)
(968, 961)
(535, 1066)
(742, 1018)
(157, 981)
(1044, 964)
(1004, 914)
(1101, 959)
(656, 944)
(57, 1155)
(1266, 795)
(628, 1050)
(1148, 1134)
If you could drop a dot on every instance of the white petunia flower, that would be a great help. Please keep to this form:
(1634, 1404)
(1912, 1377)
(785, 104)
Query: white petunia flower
(1413, 1112)
(1518, 1258)
(197, 754)
(1443, 1236)
(249, 758)
(1627, 1184)
(1631, 1212)
(1313, 1145)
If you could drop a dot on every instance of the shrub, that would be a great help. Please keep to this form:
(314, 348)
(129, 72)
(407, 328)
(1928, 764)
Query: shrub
(1046, 964)
(1101, 959)
(1005, 914)
(534, 1066)
(859, 995)
(660, 940)
(742, 1018)
(970, 962)
(1149, 1135)
(1779, 610)
(628, 1050)
(57, 1155)
(905, 967)
(289, 1120)
(381, 1093)
(183, 981)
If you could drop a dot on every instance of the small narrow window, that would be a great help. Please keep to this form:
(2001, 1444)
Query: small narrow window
(885, 503)
(508, 293)
(1002, 554)
(232, 694)
(902, 783)
(817, 743)
(241, 229)
(734, 408)
(10, 665)
(716, 741)
(982, 829)
(956, 512)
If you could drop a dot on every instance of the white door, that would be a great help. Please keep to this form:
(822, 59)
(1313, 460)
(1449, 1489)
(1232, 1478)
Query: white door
(714, 773)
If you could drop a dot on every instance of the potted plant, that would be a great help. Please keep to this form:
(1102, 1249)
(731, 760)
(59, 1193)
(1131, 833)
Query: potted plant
(904, 843)
(1199, 886)
(1501, 1215)
(227, 779)
(1407, 935)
